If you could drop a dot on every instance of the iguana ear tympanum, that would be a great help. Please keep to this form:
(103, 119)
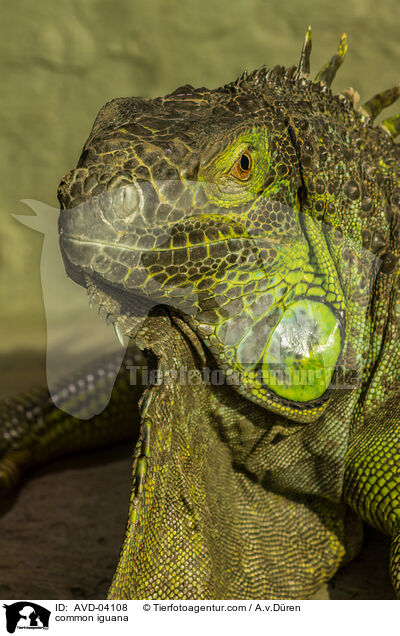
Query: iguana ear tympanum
(247, 238)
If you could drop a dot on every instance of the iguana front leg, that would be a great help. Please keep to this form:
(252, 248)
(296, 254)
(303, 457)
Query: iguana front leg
(372, 478)
(33, 431)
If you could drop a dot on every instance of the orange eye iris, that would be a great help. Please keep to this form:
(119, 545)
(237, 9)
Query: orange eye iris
(242, 168)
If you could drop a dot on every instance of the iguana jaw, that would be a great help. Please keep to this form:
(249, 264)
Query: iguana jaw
(125, 312)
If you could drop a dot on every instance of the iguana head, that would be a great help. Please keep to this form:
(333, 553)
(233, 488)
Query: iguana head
(242, 209)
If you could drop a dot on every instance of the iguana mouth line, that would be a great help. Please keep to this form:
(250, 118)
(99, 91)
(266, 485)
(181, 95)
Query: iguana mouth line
(127, 248)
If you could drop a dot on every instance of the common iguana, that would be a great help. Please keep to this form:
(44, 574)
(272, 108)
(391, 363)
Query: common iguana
(247, 239)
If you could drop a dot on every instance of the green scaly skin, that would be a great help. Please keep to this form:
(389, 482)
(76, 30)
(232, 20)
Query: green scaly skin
(253, 230)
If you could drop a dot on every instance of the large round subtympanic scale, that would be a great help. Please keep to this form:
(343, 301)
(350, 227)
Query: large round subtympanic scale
(301, 354)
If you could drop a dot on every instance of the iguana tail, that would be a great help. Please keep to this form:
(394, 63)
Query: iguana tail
(33, 431)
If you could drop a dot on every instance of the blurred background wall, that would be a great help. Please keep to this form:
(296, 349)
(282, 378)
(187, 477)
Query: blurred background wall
(61, 61)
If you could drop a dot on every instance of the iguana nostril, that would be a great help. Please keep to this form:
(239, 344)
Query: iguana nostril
(190, 171)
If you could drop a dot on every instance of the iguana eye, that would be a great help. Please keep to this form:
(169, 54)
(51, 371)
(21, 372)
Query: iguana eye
(242, 168)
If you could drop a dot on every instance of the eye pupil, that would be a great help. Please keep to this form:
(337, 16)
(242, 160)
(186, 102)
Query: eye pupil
(241, 170)
(244, 162)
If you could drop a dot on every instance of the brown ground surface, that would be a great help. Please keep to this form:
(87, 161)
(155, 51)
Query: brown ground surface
(60, 535)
